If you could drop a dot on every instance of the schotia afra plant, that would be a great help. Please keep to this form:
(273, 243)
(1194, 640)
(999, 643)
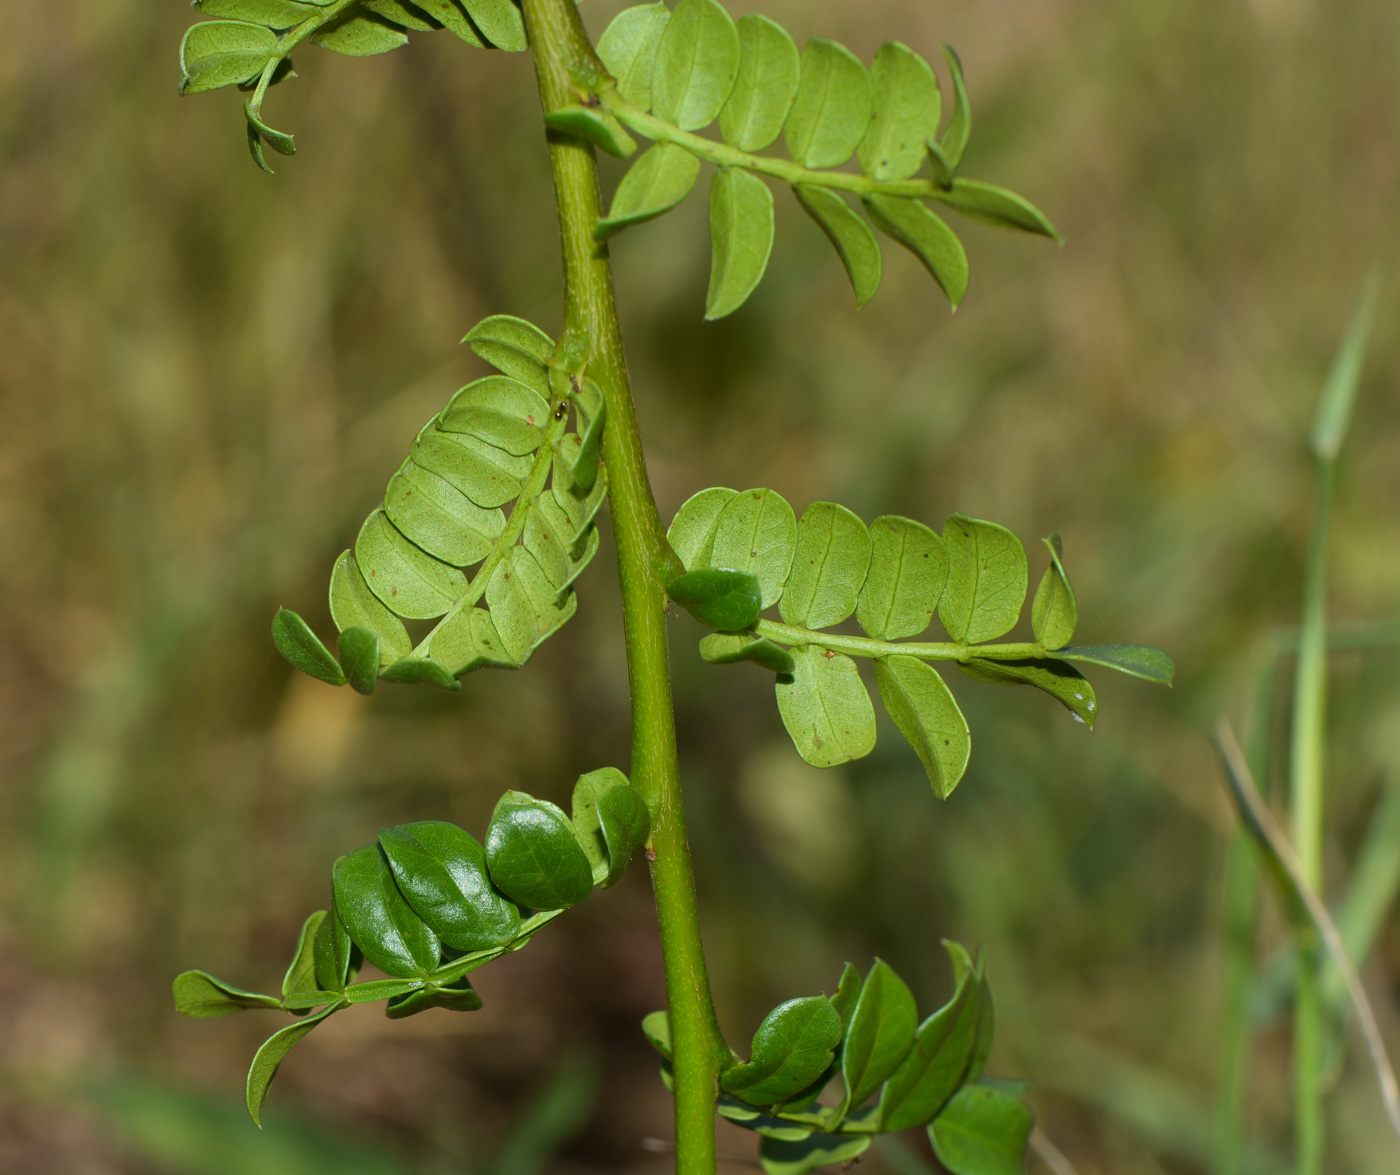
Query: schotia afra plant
(490, 520)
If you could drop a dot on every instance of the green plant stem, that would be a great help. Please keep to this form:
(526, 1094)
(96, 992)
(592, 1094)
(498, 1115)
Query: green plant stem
(723, 155)
(565, 61)
(861, 646)
(1308, 745)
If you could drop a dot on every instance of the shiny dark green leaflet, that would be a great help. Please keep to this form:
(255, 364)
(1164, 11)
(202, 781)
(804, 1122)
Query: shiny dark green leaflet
(982, 1131)
(594, 124)
(723, 648)
(441, 872)
(336, 957)
(301, 974)
(723, 599)
(379, 920)
(610, 820)
(359, 654)
(786, 1157)
(532, 855)
(303, 648)
(271, 1055)
(880, 1034)
(456, 997)
(791, 1048)
(1144, 661)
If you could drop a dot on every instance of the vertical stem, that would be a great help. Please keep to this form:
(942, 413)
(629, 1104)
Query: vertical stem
(1309, 741)
(1241, 915)
(564, 61)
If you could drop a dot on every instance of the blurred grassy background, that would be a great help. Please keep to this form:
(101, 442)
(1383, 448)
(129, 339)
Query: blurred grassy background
(206, 376)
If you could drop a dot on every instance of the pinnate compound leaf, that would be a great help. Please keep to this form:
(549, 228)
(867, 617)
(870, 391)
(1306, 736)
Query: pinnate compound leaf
(273, 1051)
(764, 87)
(420, 671)
(303, 648)
(792, 1047)
(500, 21)
(380, 922)
(353, 605)
(336, 957)
(532, 854)
(826, 708)
(933, 1069)
(660, 179)
(458, 996)
(908, 570)
(924, 709)
(756, 531)
(301, 974)
(850, 236)
(829, 568)
(359, 654)
(924, 234)
(831, 112)
(907, 106)
(202, 997)
(359, 34)
(982, 1131)
(611, 822)
(594, 124)
(1054, 612)
(515, 347)
(741, 238)
(628, 49)
(1061, 681)
(786, 1157)
(987, 580)
(692, 531)
(273, 14)
(996, 206)
(441, 872)
(1144, 661)
(219, 53)
(724, 648)
(696, 60)
(953, 141)
(719, 597)
(881, 1033)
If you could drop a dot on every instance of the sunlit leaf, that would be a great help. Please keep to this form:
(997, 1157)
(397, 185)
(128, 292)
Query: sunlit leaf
(659, 180)
(756, 531)
(723, 648)
(594, 124)
(829, 567)
(722, 598)
(202, 997)
(996, 206)
(851, 237)
(831, 112)
(1144, 661)
(907, 105)
(223, 53)
(271, 1055)
(908, 568)
(379, 920)
(764, 87)
(628, 49)
(987, 579)
(696, 61)
(826, 708)
(881, 1032)
(532, 855)
(1062, 682)
(1054, 612)
(741, 238)
(924, 709)
(982, 1131)
(303, 648)
(791, 1048)
(924, 234)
